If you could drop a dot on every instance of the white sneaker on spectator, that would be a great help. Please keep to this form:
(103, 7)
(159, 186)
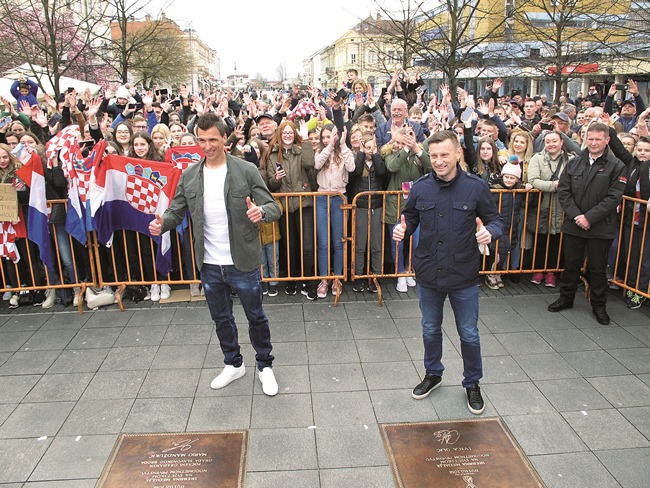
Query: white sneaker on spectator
(75, 300)
(7, 295)
(195, 290)
(165, 291)
(227, 376)
(410, 281)
(155, 293)
(50, 299)
(401, 286)
(269, 384)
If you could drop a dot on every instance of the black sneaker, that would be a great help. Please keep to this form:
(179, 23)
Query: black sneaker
(273, 290)
(265, 288)
(38, 298)
(291, 288)
(634, 300)
(358, 286)
(475, 401)
(308, 292)
(372, 287)
(426, 386)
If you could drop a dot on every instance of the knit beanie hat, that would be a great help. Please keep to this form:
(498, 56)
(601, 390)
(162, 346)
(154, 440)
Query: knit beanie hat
(123, 92)
(512, 167)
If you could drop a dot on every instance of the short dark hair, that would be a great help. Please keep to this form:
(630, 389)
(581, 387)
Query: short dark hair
(209, 120)
(367, 118)
(444, 135)
(598, 127)
(352, 70)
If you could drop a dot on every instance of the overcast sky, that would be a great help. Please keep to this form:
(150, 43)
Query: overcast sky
(291, 30)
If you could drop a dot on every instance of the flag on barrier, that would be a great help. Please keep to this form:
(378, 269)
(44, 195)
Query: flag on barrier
(127, 193)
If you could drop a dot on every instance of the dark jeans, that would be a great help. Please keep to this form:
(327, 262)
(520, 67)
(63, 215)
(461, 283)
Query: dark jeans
(575, 249)
(300, 241)
(217, 282)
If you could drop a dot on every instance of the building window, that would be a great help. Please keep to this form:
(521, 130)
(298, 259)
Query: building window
(353, 58)
(372, 58)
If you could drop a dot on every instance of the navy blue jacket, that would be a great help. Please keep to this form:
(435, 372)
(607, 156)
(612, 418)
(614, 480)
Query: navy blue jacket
(447, 257)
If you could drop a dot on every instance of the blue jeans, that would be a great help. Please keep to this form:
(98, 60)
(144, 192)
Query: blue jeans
(327, 233)
(270, 256)
(465, 306)
(415, 238)
(217, 282)
(65, 254)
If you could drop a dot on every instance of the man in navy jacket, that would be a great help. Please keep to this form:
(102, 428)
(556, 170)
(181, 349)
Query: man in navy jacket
(450, 207)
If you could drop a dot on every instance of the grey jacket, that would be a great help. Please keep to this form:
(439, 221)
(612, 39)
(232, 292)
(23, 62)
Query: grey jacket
(243, 180)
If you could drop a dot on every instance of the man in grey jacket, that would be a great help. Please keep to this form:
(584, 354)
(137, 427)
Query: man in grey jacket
(227, 197)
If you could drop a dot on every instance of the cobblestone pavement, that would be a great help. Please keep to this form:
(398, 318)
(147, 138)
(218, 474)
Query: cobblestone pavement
(575, 394)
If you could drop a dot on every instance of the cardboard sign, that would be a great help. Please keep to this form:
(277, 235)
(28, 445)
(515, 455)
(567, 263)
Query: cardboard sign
(8, 203)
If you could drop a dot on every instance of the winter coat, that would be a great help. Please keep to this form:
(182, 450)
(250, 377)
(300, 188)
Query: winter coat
(540, 172)
(297, 162)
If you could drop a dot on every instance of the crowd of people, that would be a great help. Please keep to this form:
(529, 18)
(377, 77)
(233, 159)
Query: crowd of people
(347, 140)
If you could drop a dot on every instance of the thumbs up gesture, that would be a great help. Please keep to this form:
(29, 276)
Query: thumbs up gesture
(155, 226)
(254, 213)
(400, 230)
(483, 236)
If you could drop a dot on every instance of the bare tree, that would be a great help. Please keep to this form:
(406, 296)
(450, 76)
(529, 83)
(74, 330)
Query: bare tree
(281, 71)
(568, 37)
(47, 33)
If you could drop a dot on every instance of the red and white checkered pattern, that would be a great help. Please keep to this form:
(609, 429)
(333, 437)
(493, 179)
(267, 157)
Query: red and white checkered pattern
(142, 194)
(65, 145)
(8, 247)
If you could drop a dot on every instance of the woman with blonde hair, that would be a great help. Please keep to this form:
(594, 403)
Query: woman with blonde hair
(161, 138)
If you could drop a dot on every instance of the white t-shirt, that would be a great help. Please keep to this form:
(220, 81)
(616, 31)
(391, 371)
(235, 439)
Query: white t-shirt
(215, 231)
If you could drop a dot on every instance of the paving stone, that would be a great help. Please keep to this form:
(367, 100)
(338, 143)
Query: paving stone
(5, 410)
(568, 340)
(490, 346)
(183, 334)
(67, 320)
(546, 366)
(59, 388)
(502, 369)
(395, 405)
(15, 388)
(87, 483)
(343, 408)
(97, 417)
(110, 318)
(518, 399)
(13, 341)
(409, 327)
(573, 469)
(291, 379)
(282, 479)
(95, 338)
(641, 332)
(389, 375)
(150, 317)
(168, 383)
(637, 360)
(294, 312)
(595, 427)
(288, 331)
(629, 467)
(79, 361)
(268, 448)
(129, 358)
(239, 387)
(623, 391)
(74, 458)
(367, 477)
(318, 311)
(272, 412)
(192, 316)
(594, 363)
(290, 353)
(30, 322)
(114, 384)
(613, 338)
(367, 311)
(351, 446)
(546, 433)
(175, 357)
(325, 352)
(373, 329)
(403, 309)
(517, 343)
(18, 457)
(141, 336)
(158, 415)
(36, 419)
(328, 330)
(43, 340)
(382, 350)
(337, 377)
(639, 417)
(505, 322)
(220, 413)
(29, 362)
(572, 394)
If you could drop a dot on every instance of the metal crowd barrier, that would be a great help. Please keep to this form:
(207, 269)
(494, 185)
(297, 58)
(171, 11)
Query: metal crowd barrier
(130, 261)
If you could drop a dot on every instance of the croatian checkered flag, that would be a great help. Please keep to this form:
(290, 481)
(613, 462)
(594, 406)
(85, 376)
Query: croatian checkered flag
(64, 145)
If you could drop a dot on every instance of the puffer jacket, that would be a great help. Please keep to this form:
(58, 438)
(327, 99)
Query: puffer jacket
(297, 162)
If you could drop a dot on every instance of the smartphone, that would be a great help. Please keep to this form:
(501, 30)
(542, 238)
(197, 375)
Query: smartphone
(341, 95)
(54, 119)
(467, 114)
(89, 144)
(303, 87)
(164, 91)
(70, 89)
(546, 126)
(5, 121)
(624, 87)
(278, 166)
(134, 106)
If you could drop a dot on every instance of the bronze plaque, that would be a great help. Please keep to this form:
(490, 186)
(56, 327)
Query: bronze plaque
(478, 453)
(188, 460)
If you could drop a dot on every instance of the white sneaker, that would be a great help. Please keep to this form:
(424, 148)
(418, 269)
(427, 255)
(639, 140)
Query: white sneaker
(401, 285)
(165, 291)
(227, 376)
(155, 293)
(410, 281)
(6, 296)
(195, 290)
(75, 300)
(269, 385)
(50, 299)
